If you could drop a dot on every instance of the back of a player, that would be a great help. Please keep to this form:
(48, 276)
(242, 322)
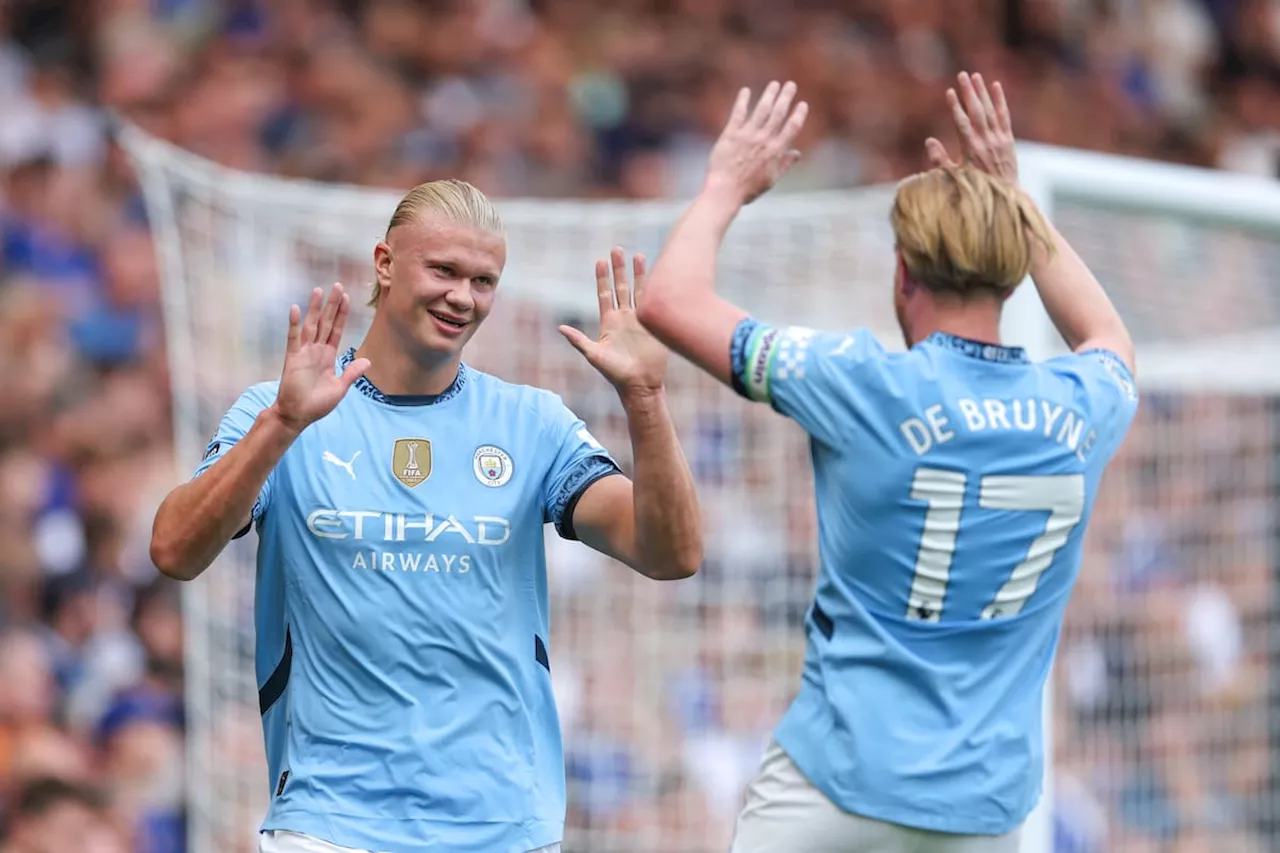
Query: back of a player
(954, 483)
(975, 511)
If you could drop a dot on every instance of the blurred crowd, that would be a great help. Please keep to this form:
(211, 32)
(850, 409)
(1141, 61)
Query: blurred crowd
(1161, 705)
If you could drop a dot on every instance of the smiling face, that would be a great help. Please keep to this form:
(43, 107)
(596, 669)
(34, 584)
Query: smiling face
(437, 279)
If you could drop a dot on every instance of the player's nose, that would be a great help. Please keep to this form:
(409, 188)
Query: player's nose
(460, 297)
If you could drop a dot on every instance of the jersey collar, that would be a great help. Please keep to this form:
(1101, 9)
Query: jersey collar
(367, 388)
(978, 349)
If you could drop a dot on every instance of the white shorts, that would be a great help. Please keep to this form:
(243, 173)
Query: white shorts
(784, 813)
(280, 841)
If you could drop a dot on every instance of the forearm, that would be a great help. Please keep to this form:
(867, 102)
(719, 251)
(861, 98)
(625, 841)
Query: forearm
(686, 268)
(680, 306)
(199, 518)
(668, 522)
(1076, 302)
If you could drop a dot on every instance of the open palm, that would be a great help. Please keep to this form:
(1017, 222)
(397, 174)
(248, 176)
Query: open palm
(625, 353)
(754, 149)
(309, 386)
(983, 125)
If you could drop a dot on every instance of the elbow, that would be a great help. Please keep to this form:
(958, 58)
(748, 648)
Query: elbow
(653, 314)
(166, 557)
(685, 568)
(167, 553)
(689, 560)
(669, 324)
(680, 565)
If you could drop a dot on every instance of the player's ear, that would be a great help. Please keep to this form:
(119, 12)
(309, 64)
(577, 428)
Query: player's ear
(902, 280)
(382, 263)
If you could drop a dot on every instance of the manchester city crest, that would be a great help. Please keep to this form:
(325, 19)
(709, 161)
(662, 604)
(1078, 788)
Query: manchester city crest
(492, 465)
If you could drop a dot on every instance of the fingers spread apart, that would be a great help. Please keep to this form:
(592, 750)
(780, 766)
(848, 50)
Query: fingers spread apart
(776, 118)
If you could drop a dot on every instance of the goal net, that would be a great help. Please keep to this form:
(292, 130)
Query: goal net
(668, 692)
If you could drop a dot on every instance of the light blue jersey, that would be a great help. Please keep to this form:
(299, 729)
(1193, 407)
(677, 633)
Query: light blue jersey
(953, 485)
(402, 615)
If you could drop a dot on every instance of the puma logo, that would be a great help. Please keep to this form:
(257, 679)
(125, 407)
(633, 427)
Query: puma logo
(333, 460)
(845, 346)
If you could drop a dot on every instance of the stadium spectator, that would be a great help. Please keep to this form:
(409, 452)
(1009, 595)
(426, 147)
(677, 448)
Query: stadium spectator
(51, 815)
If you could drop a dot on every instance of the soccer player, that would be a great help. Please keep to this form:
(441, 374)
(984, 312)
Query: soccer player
(953, 483)
(401, 600)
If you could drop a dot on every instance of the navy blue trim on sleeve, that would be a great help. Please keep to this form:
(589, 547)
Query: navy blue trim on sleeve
(738, 353)
(586, 472)
(254, 516)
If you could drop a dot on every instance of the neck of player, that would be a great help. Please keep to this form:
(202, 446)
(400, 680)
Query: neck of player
(398, 370)
(976, 321)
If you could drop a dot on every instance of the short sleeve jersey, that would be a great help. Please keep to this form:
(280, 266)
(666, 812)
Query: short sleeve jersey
(953, 486)
(402, 614)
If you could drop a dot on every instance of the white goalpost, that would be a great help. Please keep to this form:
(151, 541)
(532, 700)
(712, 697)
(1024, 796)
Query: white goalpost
(1159, 712)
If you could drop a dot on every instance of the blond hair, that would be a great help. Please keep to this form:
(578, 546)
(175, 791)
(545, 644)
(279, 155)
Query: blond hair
(963, 232)
(450, 200)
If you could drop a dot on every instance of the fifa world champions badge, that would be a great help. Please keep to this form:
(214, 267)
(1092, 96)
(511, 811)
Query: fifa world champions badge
(492, 466)
(411, 461)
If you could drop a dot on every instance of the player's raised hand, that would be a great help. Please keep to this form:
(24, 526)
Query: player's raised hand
(755, 148)
(309, 387)
(625, 353)
(985, 129)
